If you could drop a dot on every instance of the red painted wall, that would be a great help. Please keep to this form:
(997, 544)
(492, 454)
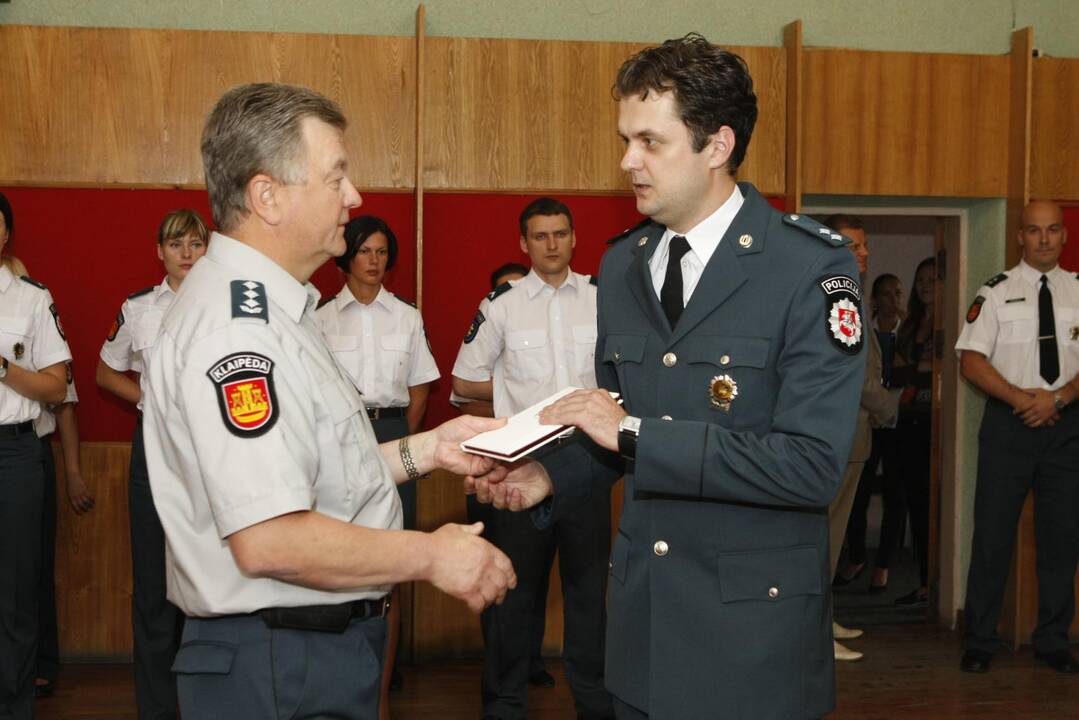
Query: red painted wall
(95, 247)
(1069, 259)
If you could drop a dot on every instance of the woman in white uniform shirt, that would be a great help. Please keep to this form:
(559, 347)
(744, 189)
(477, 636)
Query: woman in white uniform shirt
(156, 623)
(33, 354)
(378, 339)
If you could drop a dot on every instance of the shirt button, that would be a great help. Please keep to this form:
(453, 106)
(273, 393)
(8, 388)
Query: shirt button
(660, 548)
(773, 592)
(725, 359)
(670, 360)
(667, 417)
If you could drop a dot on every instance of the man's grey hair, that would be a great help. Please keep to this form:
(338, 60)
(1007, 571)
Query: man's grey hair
(256, 129)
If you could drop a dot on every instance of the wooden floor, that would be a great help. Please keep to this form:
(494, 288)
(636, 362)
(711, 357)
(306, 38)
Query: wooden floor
(910, 671)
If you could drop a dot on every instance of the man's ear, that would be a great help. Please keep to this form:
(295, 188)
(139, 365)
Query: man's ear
(264, 198)
(720, 147)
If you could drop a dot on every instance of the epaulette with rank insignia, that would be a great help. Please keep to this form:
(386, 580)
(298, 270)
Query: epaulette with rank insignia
(31, 281)
(629, 231)
(140, 293)
(404, 300)
(249, 300)
(811, 227)
(324, 301)
(996, 280)
(499, 290)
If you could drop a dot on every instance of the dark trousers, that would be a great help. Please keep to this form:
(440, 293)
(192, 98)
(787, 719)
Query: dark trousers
(155, 622)
(1012, 460)
(582, 540)
(21, 498)
(48, 640)
(914, 440)
(238, 668)
(387, 429)
(886, 453)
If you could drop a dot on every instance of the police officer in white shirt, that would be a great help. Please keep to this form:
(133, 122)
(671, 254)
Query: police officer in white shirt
(182, 237)
(529, 339)
(33, 354)
(280, 513)
(379, 340)
(1020, 346)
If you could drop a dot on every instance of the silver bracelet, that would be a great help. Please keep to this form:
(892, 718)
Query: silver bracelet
(407, 461)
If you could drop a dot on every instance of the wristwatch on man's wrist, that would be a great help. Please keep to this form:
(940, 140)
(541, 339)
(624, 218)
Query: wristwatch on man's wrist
(3, 368)
(629, 429)
(1058, 400)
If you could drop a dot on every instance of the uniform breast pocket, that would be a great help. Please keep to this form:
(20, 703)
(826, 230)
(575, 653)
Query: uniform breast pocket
(395, 356)
(1017, 323)
(1068, 330)
(15, 340)
(346, 351)
(584, 350)
(729, 372)
(342, 405)
(625, 353)
(528, 355)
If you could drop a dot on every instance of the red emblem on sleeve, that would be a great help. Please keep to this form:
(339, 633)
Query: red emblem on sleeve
(245, 393)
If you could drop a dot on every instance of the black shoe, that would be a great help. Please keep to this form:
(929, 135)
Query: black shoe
(397, 681)
(914, 597)
(1059, 660)
(841, 580)
(878, 589)
(976, 661)
(541, 679)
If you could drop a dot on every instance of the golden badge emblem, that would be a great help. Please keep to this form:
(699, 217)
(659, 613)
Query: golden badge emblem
(722, 390)
(19, 350)
(643, 241)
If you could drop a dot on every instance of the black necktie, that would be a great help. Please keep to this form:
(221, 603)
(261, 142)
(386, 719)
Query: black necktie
(670, 296)
(1047, 335)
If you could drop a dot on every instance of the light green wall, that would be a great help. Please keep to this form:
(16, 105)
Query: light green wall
(962, 26)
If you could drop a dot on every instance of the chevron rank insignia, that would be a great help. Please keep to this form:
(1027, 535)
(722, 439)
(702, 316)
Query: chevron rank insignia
(249, 300)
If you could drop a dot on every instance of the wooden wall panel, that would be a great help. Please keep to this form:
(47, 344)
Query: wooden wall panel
(94, 106)
(1054, 172)
(518, 115)
(93, 559)
(906, 124)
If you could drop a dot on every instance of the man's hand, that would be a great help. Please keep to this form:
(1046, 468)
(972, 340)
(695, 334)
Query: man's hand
(449, 436)
(1041, 410)
(80, 497)
(512, 487)
(593, 411)
(468, 567)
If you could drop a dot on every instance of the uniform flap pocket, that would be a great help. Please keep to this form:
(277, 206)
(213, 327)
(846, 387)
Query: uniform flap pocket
(584, 333)
(619, 557)
(14, 326)
(526, 339)
(1017, 311)
(769, 574)
(1066, 314)
(202, 656)
(342, 343)
(624, 348)
(398, 342)
(727, 351)
(342, 399)
(144, 335)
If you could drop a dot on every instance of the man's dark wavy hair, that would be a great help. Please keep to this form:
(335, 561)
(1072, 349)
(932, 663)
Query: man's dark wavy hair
(712, 88)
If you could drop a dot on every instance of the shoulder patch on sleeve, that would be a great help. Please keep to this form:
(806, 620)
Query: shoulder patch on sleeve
(593, 280)
(629, 231)
(249, 300)
(31, 281)
(975, 309)
(245, 393)
(140, 293)
(501, 289)
(474, 327)
(116, 325)
(56, 319)
(996, 280)
(844, 319)
(406, 301)
(811, 227)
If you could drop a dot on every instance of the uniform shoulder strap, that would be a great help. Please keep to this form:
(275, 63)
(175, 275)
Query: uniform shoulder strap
(811, 227)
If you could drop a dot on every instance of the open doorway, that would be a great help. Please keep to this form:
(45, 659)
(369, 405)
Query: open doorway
(899, 240)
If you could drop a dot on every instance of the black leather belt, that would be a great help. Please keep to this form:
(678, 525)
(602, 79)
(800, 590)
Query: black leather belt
(380, 413)
(17, 429)
(325, 618)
